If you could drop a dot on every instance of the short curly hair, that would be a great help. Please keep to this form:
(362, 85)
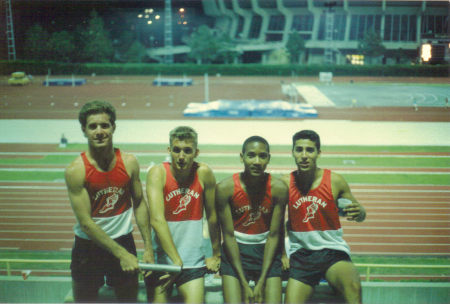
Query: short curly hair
(307, 134)
(97, 107)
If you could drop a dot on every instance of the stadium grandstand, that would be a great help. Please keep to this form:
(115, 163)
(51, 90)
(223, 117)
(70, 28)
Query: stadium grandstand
(331, 29)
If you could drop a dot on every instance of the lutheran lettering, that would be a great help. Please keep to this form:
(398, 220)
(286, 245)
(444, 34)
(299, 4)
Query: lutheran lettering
(183, 192)
(312, 199)
(109, 190)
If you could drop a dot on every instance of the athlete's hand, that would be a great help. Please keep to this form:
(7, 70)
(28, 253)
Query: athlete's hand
(213, 264)
(149, 258)
(354, 212)
(129, 262)
(168, 280)
(247, 294)
(284, 262)
(258, 292)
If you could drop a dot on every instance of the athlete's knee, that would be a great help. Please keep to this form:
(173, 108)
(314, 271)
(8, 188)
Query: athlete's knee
(352, 291)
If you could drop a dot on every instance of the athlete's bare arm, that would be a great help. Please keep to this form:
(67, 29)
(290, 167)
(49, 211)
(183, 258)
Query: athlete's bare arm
(156, 178)
(140, 206)
(284, 257)
(224, 191)
(81, 205)
(355, 211)
(208, 180)
(280, 197)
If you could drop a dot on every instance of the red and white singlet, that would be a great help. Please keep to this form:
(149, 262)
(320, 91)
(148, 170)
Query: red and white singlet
(250, 226)
(109, 193)
(183, 209)
(313, 218)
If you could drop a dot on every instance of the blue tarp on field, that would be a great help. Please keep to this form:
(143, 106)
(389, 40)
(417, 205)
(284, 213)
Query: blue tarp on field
(250, 108)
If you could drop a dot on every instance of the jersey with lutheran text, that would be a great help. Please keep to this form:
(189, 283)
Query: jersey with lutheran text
(251, 226)
(109, 193)
(183, 209)
(313, 218)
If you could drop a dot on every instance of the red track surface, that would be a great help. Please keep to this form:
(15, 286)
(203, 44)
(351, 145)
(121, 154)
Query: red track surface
(402, 220)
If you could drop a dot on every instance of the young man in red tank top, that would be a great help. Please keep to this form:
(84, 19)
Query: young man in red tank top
(178, 192)
(317, 249)
(104, 189)
(251, 206)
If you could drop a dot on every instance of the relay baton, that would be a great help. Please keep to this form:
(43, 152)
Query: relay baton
(160, 267)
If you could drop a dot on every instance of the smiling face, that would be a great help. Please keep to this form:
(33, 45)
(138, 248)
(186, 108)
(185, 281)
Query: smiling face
(99, 130)
(255, 157)
(183, 153)
(305, 154)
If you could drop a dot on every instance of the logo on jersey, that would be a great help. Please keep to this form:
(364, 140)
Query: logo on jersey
(252, 218)
(310, 212)
(183, 203)
(110, 203)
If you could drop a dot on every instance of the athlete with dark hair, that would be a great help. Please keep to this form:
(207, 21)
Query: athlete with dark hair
(104, 189)
(251, 206)
(317, 249)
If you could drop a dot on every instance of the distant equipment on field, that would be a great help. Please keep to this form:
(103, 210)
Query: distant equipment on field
(250, 108)
(326, 77)
(163, 81)
(64, 81)
(18, 78)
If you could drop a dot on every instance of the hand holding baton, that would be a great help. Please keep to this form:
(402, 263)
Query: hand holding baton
(160, 267)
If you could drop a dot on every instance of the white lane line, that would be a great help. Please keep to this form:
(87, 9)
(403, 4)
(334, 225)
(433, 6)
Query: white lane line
(35, 199)
(424, 207)
(36, 240)
(366, 253)
(38, 224)
(66, 210)
(397, 244)
(278, 171)
(396, 236)
(35, 217)
(36, 231)
(236, 154)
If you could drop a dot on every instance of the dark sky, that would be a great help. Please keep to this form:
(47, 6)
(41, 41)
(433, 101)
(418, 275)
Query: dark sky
(58, 15)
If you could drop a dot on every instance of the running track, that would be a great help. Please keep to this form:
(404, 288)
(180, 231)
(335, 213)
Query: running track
(402, 219)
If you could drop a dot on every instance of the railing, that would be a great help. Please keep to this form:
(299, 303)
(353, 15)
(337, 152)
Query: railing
(9, 261)
(368, 267)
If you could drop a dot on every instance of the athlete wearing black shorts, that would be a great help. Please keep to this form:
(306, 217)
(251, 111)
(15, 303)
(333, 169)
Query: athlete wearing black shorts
(91, 264)
(252, 257)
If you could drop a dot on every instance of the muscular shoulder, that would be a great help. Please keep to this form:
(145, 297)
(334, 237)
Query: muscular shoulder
(338, 182)
(129, 159)
(279, 187)
(130, 162)
(75, 172)
(226, 186)
(205, 174)
(157, 171)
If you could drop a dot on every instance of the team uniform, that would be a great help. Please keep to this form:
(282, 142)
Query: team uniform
(314, 230)
(251, 229)
(183, 210)
(111, 210)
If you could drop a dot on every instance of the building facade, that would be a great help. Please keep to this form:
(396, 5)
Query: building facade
(332, 29)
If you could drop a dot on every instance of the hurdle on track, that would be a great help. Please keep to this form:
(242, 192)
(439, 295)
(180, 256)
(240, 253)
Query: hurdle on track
(164, 81)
